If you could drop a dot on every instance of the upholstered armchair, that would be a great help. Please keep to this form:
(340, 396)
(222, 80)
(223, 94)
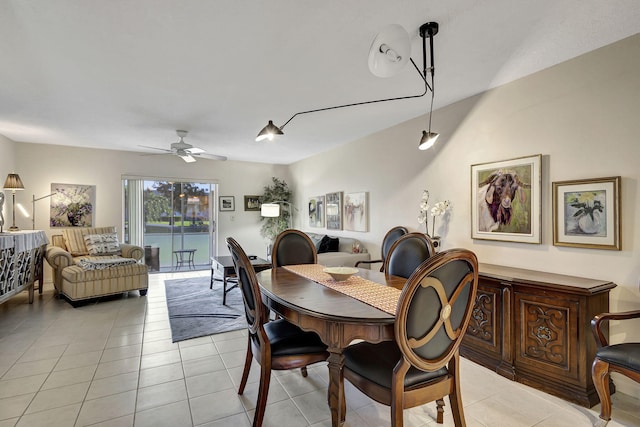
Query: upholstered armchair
(89, 262)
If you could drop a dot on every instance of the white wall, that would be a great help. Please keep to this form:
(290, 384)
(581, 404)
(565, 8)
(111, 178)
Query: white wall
(7, 166)
(40, 165)
(582, 116)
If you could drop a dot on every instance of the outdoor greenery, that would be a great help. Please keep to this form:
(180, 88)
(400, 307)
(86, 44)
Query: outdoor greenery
(278, 191)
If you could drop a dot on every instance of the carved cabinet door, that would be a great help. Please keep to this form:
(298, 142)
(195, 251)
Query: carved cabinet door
(546, 339)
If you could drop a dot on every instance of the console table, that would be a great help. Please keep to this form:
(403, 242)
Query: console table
(21, 257)
(534, 328)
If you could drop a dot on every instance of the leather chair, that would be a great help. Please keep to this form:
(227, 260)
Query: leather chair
(293, 247)
(389, 239)
(623, 358)
(407, 253)
(422, 364)
(276, 344)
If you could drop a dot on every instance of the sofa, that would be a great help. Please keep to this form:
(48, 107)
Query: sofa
(338, 251)
(89, 263)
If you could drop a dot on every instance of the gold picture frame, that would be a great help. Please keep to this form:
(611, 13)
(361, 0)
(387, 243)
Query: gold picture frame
(586, 213)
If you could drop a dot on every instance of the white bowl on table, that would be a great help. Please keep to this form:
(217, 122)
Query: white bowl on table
(340, 274)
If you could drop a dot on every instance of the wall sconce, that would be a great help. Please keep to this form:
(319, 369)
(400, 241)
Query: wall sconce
(13, 183)
(389, 52)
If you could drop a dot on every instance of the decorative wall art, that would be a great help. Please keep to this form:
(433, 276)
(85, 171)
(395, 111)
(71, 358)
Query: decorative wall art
(586, 213)
(227, 203)
(506, 200)
(356, 211)
(316, 211)
(334, 210)
(72, 205)
(252, 203)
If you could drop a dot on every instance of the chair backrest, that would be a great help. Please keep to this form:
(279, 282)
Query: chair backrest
(254, 310)
(407, 253)
(434, 308)
(390, 238)
(293, 247)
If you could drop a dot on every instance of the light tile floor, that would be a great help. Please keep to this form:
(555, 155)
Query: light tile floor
(112, 363)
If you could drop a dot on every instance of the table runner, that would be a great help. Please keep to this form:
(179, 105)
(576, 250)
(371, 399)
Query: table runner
(380, 296)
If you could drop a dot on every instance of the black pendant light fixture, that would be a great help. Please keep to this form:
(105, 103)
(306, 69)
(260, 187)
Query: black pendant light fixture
(389, 52)
(429, 30)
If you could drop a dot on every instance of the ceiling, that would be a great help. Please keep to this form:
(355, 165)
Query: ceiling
(118, 74)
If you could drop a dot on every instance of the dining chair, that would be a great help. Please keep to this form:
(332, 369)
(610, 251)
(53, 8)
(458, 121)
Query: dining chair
(275, 344)
(422, 364)
(623, 358)
(293, 247)
(407, 253)
(392, 235)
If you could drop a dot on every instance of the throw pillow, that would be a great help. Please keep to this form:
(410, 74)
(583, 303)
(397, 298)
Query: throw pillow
(316, 239)
(329, 244)
(102, 244)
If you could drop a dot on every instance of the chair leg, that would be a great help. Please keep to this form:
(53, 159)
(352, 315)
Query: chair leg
(247, 366)
(600, 375)
(263, 392)
(455, 398)
(440, 414)
(303, 371)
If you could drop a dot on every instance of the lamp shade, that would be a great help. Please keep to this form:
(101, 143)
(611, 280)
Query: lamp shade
(271, 210)
(269, 131)
(13, 182)
(427, 140)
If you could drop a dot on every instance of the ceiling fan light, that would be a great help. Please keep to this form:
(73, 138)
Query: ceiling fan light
(427, 140)
(187, 158)
(268, 132)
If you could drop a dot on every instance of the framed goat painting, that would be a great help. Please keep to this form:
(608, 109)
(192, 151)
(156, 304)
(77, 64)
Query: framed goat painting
(586, 213)
(506, 200)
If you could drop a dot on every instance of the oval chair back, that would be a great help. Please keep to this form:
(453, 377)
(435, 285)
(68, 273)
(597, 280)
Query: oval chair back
(293, 247)
(407, 253)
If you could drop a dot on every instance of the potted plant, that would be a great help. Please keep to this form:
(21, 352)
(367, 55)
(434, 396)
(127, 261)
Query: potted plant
(278, 191)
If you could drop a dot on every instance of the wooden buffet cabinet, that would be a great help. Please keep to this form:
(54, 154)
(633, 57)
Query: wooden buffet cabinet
(534, 328)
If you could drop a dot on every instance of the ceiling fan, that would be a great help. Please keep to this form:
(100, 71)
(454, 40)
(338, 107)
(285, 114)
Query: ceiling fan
(186, 152)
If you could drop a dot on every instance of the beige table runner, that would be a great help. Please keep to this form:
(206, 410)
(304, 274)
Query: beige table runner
(382, 297)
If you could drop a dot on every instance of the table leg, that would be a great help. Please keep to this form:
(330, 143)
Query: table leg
(336, 387)
(224, 288)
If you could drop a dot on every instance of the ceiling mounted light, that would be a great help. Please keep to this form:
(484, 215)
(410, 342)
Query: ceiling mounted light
(429, 29)
(389, 52)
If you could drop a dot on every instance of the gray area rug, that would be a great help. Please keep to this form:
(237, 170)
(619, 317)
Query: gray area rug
(197, 311)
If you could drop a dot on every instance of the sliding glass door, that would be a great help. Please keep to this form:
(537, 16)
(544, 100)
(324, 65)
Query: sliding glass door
(174, 220)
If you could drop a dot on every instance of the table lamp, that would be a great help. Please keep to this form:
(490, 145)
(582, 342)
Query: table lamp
(13, 183)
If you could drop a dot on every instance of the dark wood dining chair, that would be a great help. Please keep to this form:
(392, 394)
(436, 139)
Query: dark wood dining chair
(407, 253)
(389, 239)
(422, 364)
(293, 247)
(275, 344)
(623, 358)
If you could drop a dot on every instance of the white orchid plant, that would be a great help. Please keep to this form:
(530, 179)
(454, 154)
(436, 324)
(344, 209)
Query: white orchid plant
(437, 210)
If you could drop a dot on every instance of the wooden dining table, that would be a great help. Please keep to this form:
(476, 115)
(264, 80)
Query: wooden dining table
(337, 318)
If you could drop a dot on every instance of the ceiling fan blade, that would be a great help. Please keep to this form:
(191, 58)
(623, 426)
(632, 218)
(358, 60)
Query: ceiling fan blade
(212, 157)
(194, 150)
(156, 148)
(187, 157)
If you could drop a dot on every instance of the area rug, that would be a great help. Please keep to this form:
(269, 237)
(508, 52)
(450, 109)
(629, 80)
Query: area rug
(197, 311)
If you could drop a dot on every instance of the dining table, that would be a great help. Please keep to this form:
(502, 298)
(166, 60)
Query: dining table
(338, 318)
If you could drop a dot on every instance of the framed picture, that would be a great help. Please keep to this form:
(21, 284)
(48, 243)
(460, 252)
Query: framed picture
(227, 203)
(506, 200)
(252, 203)
(72, 205)
(586, 213)
(356, 211)
(316, 211)
(334, 210)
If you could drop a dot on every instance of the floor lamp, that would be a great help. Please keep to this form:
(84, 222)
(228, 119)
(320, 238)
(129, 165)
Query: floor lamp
(272, 210)
(13, 183)
(33, 208)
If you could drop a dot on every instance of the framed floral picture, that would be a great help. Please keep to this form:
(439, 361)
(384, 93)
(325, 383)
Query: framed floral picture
(334, 210)
(356, 211)
(586, 213)
(316, 211)
(506, 200)
(72, 205)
